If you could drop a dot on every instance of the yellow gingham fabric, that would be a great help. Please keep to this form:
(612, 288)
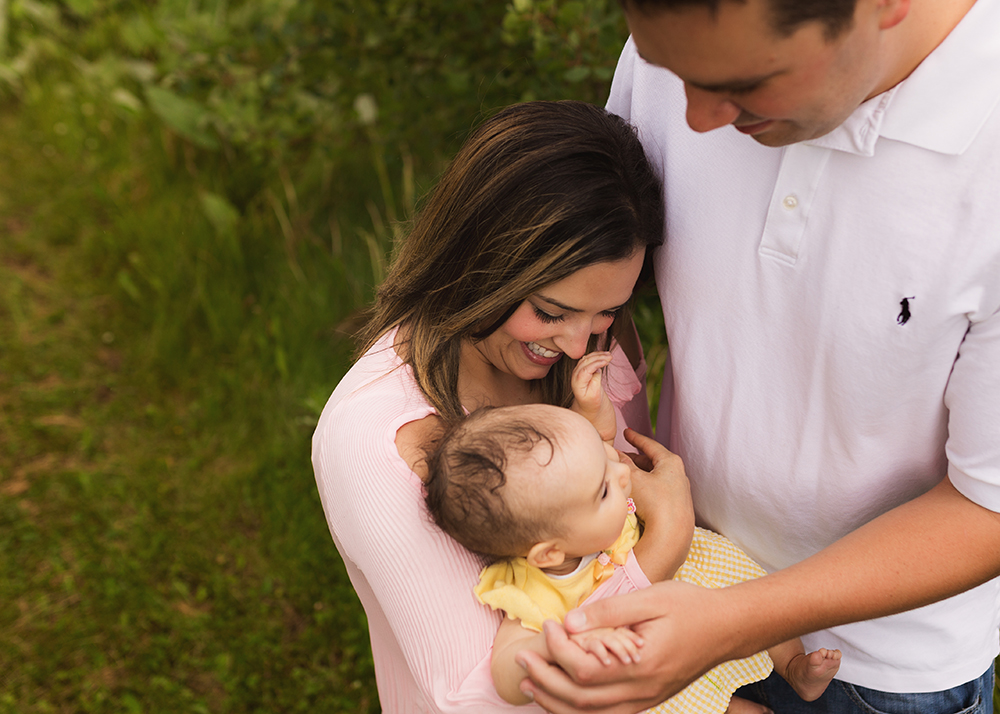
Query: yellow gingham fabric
(715, 562)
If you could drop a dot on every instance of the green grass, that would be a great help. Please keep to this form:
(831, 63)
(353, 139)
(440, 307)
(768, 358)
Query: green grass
(161, 539)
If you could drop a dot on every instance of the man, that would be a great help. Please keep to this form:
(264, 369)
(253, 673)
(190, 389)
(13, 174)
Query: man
(831, 292)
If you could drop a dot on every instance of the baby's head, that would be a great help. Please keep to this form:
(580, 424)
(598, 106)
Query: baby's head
(532, 480)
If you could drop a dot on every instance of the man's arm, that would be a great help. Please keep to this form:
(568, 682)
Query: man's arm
(936, 546)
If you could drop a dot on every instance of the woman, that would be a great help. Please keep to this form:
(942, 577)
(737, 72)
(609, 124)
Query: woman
(523, 260)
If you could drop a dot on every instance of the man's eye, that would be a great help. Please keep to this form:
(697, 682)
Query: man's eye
(546, 317)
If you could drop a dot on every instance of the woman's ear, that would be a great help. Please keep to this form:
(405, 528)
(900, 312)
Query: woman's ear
(546, 554)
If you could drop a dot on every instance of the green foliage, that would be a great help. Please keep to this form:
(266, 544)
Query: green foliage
(197, 198)
(300, 122)
(574, 41)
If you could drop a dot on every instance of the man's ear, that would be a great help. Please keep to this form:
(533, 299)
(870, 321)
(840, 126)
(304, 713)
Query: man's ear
(546, 554)
(892, 12)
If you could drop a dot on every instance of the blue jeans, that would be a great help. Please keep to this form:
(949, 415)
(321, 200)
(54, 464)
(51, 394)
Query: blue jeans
(975, 697)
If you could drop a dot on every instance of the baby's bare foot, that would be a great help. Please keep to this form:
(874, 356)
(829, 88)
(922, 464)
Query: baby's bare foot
(810, 674)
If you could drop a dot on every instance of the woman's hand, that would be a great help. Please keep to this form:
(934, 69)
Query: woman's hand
(662, 498)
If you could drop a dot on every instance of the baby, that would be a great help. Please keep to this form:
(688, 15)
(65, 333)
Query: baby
(542, 489)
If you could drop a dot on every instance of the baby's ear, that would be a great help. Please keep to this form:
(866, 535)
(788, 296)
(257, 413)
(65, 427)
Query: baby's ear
(546, 554)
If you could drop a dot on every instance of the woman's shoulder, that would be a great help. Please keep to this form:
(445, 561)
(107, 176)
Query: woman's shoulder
(376, 397)
(354, 455)
(379, 384)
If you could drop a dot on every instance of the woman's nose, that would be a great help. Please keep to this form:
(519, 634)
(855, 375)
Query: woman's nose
(573, 342)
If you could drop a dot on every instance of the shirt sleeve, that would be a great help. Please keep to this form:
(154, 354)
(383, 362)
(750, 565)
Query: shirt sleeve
(626, 387)
(431, 640)
(973, 401)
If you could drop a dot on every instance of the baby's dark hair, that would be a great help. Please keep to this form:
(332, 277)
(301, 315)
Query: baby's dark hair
(467, 474)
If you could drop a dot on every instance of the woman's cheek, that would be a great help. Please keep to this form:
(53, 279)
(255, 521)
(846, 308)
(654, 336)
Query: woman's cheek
(601, 324)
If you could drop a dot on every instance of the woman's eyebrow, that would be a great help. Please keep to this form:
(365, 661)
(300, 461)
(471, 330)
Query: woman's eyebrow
(558, 304)
(568, 308)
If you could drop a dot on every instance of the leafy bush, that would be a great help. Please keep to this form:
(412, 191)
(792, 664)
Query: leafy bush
(307, 130)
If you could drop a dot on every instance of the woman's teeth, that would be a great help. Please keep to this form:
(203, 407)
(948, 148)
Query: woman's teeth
(541, 351)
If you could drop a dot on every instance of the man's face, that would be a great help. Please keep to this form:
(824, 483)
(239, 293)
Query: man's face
(737, 69)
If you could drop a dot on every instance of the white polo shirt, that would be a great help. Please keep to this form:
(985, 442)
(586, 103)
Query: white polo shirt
(832, 311)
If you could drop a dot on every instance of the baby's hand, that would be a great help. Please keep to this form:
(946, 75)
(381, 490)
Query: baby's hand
(589, 397)
(602, 642)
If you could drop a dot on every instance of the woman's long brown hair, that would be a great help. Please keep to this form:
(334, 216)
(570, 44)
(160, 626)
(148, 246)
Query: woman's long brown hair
(539, 191)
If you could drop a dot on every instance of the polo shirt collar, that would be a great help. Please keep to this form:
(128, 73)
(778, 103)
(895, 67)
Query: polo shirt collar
(944, 102)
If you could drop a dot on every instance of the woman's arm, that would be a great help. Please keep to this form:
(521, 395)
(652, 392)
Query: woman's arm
(604, 644)
(933, 547)
(507, 674)
(431, 637)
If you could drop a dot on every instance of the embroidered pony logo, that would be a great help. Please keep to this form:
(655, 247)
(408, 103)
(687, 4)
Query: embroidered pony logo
(904, 311)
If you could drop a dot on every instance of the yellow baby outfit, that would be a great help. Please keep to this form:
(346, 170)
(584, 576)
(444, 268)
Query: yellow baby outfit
(528, 594)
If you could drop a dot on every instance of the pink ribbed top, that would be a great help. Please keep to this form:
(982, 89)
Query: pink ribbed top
(431, 639)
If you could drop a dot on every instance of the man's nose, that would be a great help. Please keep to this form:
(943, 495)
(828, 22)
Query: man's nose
(708, 110)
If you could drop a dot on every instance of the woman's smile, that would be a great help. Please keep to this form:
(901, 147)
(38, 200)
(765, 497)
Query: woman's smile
(541, 355)
(560, 319)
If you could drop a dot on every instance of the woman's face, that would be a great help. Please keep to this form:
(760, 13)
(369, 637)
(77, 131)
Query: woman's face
(560, 318)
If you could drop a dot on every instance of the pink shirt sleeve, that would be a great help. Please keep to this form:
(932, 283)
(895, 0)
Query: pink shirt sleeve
(431, 639)
(626, 387)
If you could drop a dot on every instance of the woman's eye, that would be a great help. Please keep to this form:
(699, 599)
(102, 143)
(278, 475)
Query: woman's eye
(605, 494)
(610, 313)
(546, 317)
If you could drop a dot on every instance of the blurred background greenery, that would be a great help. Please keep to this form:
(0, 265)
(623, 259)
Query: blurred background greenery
(196, 199)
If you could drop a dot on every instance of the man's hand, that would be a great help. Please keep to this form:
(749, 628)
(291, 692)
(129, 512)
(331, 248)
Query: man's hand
(607, 643)
(668, 617)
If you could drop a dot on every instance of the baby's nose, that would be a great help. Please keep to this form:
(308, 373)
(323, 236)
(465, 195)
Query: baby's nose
(626, 476)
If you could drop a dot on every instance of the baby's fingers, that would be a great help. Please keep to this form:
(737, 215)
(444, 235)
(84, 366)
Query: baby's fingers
(625, 645)
(586, 380)
(596, 647)
(589, 366)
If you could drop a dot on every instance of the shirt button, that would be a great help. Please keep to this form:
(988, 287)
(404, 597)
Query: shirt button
(790, 201)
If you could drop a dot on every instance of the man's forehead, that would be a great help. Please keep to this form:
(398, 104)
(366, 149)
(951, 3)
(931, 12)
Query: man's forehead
(734, 50)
